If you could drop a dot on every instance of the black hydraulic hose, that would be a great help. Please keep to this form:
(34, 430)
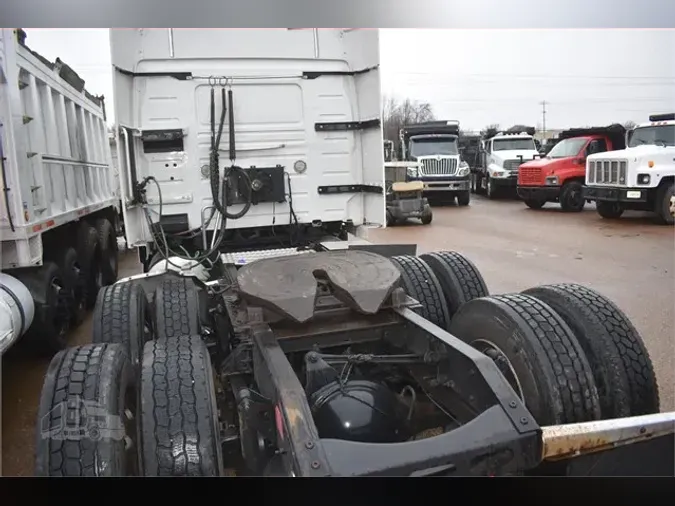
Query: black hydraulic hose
(5, 190)
(214, 160)
(233, 150)
(241, 173)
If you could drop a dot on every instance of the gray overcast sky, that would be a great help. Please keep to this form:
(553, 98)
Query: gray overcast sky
(478, 76)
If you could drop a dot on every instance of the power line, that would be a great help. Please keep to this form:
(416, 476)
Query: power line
(543, 116)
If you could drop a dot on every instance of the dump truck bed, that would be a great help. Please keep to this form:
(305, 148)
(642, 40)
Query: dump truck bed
(56, 163)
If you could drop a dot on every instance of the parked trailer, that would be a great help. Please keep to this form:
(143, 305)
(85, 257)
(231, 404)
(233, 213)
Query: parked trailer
(321, 356)
(59, 200)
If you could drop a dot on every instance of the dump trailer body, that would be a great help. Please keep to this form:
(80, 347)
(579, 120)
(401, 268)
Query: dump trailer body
(305, 105)
(56, 165)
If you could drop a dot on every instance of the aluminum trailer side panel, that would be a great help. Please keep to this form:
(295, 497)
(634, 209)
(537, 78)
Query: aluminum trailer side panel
(284, 82)
(56, 156)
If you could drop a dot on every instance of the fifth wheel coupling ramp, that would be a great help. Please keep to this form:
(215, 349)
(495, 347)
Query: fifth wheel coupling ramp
(288, 285)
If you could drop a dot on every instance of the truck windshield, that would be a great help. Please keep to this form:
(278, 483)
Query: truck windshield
(433, 146)
(663, 135)
(513, 144)
(567, 148)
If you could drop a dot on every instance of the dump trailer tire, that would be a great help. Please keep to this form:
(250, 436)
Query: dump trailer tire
(622, 368)
(176, 307)
(108, 250)
(88, 251)
(122, 316)
(179, 424)
(75, 281)
(460, 279)
(420, 282)
(536, 351)
(96, 375)
(48, 333)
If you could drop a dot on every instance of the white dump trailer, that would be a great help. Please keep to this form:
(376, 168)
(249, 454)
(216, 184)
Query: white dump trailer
(289, 117)
(59, 196)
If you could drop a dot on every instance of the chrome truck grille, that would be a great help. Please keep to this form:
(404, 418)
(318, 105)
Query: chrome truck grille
(442, 167)
(512, 165)
(609, 172)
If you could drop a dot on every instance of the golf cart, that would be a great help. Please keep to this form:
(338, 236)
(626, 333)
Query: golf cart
(405, 198)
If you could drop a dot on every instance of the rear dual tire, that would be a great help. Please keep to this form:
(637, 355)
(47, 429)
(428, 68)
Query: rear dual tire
(86, 414)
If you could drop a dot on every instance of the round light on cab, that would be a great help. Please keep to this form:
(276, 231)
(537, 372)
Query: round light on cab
(650, 163)
(300, 166)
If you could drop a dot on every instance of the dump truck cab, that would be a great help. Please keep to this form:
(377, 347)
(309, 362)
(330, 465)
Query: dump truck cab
(435, 145)
(501, 158)
(559, 175)
(640, 177)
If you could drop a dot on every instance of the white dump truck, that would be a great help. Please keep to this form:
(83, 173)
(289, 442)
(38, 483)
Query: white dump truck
(640, 177)
(59, 202)
(284, 347)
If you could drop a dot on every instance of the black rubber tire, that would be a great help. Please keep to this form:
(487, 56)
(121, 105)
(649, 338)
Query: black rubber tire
(176, 307)
(609, 210)
(75, 282)
(428, 216)
(555, 377)
(623, 371)
(108, 250)
(179, 424)
(463, 198)
(96, 374)
(567, 197)
(48, 332)
(122, 315)
(420, 282)
(88, 252)
(662, 204)
(534, 204)
(460, 279)
(491, 189)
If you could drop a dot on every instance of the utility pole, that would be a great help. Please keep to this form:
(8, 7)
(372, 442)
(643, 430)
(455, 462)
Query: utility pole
(543, 117)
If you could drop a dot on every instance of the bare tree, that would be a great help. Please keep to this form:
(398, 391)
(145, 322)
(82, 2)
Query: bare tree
(629, 125)
(490, 130)
(397, 113)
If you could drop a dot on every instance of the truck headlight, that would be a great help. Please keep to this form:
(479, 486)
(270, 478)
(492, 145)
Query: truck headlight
(499, 173)
(552, 180)
(464, 169)
(411, 171)
(643, 178)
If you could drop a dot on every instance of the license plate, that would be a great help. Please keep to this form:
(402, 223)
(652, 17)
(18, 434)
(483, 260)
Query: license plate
(633, 195)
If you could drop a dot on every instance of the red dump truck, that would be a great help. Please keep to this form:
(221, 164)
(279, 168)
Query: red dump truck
(559, 176)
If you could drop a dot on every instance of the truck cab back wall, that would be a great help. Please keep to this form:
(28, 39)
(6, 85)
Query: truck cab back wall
(302, 100)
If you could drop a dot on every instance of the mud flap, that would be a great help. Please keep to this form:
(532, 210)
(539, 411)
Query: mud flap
(634, 446)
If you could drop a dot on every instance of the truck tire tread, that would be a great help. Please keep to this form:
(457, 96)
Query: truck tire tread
(178, 416)
(121, 316)
(561, 386)
(460, 279)
(420, 282)
(623, 370)
(176, 307)
(95, 373)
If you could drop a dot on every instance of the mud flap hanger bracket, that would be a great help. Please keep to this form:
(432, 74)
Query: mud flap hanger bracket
(341, 126)
(349, 188)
